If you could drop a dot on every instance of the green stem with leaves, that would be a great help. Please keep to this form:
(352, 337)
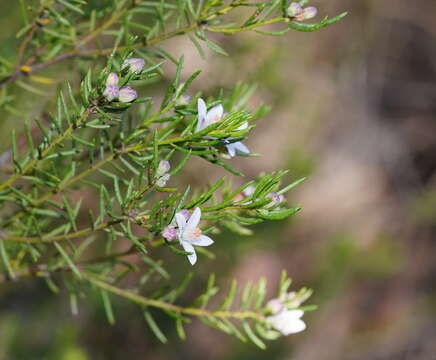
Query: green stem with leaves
(144, 301)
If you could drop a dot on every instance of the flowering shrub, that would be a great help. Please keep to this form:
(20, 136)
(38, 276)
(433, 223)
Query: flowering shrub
(102, 137)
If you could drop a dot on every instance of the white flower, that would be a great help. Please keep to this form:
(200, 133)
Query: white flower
(237, 148)
(206, 118)
(287, 321)
(134, 64)
(189, 234)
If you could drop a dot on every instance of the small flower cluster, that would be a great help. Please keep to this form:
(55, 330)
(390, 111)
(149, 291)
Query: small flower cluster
(187, 232)
(206, 118)
(124, 94)
(162, 173)
(284, 317)
(296, 11)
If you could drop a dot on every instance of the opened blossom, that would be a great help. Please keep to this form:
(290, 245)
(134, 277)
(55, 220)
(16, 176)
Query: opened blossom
(189, 234)
(206, 118)
(284, 317)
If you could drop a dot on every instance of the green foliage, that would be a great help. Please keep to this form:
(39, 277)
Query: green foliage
(85, 143)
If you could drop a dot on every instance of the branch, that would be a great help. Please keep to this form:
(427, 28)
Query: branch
(144, 301)
(69, 236)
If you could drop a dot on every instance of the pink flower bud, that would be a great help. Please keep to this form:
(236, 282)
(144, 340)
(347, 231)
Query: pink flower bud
(112, 80)
(169, 233)
(134, 64)
(249, 190)
(309, 12)
(111, 92)
(127, 94)
(162, 181)
(294, 9)
(275, 306)
(164, 167)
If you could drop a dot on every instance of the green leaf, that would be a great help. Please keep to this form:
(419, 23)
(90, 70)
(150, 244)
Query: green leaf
(107, 307)
(68, 260)
(5, 259)
(211, 45)
(153, 326)
(252, 336)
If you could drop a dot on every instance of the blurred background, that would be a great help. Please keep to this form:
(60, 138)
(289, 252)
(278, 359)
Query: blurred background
(354, 110)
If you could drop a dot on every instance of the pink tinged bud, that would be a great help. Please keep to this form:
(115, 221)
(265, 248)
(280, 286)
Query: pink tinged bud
(249, 190)
(184, 100)
(169, 233)
(275, 306)
(162, 181)
(309, 12)
(294, 9)
(134, 64)
(111, 92)
(164, 167)
(127, 94)
(238, 197)
(112, 80)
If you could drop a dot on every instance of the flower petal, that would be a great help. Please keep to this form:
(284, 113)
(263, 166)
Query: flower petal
(243, 126)
(193, 221)
(294, 327)
(231, 150)
(241, 148)
(202, 111)
(288, 322)
(294, 313)
(202, 240)
(181, 221)
(214, 115)
(189, 248)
